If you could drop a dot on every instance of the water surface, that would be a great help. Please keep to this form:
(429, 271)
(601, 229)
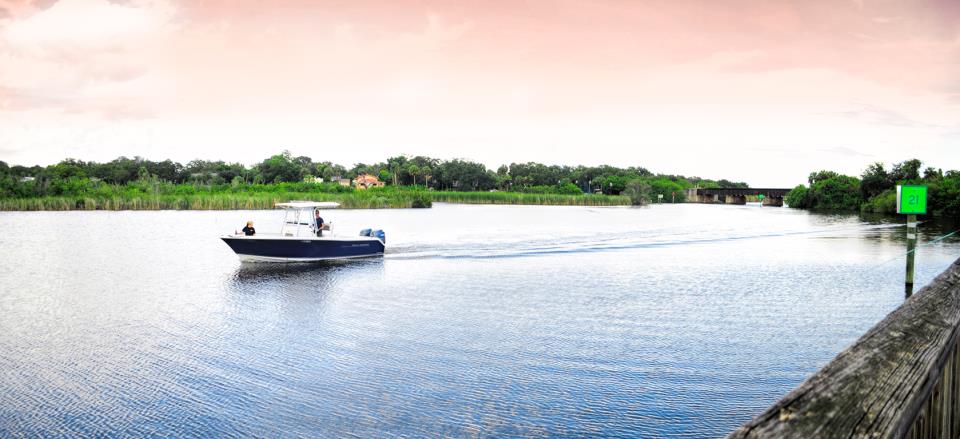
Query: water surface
(673, 320)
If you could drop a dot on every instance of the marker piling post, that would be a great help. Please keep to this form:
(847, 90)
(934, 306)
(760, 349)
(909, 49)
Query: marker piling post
(911, 251)
(911, 201)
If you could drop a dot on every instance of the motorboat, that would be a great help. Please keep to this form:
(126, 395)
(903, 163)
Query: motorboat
(300, 240)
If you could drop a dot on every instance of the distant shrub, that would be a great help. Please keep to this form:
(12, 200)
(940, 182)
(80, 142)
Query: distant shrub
(421, 200)
(797, 198)
(638, 191)
(839, 192)
(885, 202)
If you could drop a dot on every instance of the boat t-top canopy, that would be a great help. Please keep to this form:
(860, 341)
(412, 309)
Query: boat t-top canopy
(308, 205)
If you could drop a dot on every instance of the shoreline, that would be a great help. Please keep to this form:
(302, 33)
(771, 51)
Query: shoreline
(266, 201)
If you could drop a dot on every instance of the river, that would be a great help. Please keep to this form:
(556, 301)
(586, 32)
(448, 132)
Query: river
(669, 320)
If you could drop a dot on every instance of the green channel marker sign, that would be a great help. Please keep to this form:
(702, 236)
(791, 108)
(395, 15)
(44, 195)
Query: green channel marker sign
(912, 199)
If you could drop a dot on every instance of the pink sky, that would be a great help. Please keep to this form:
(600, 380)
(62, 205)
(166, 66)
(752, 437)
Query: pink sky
(759, 90)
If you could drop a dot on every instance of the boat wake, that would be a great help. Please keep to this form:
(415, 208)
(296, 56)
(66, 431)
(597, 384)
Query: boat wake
(514, 247)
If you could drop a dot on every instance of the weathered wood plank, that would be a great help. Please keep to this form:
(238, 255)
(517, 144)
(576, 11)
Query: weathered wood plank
(879, 385)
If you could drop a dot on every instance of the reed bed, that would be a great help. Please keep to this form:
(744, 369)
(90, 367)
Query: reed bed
(206, 202)
(531, 199)
(369, 199)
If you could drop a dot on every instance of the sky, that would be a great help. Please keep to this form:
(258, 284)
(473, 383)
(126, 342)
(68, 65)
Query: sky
(762, 91)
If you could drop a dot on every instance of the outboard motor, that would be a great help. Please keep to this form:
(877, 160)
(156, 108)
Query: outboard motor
(365, 232)
(380, 235)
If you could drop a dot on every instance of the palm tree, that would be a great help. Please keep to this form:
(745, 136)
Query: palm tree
(413, 170)
(426, 172)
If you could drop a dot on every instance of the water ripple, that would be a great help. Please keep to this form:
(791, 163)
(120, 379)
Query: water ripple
(671, 321)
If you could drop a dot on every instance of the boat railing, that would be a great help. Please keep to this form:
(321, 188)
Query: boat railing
(296, 227)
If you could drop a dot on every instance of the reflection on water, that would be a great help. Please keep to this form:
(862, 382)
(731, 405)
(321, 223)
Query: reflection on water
(480, 320)
(251, 275)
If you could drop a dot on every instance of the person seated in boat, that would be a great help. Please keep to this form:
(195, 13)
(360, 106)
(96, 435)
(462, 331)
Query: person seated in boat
(319, 220)
(248, 229)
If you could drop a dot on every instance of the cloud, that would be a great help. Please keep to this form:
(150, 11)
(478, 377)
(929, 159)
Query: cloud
(799, 151)
(881, 116)
(775, 149)
(84, 23)
(886, 20)
(952, 133)
(10, 9)
(21, 99)
(844, 151)
(43, 4)
(81, 56)
(496, 81)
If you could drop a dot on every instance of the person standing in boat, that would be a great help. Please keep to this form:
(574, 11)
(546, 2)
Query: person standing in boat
(248, 229)
(319, 220)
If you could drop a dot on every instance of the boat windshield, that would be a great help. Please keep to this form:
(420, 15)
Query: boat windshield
(298, 218)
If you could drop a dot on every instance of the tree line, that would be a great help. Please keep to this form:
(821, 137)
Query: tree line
(76, 177)
(875, 190)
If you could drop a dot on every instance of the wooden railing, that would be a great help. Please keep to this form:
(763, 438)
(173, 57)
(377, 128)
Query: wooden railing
(899, 380)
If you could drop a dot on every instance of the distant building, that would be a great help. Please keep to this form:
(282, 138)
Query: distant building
(343, 181)
(364, 181)
(312, 179)
(26, 179)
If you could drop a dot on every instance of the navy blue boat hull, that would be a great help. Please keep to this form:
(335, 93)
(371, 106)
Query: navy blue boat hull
(300, 250)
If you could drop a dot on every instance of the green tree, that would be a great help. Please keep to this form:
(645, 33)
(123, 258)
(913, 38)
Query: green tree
(307, 166)
(613, 185)
(931, 174)
(280, 168)
(427, 172)
(166, 170)
(907, 171)
(639, 192)
(820, 176)
(874, 181)
(724, 183)
(669, 189)
(328, 171)
(798, 197)
(413, 170)
(840, 192)
(397, 166)
(465, 175)
(944, 197)
(118, 171)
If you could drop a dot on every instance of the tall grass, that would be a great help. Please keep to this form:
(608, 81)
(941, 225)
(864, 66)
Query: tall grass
(221, 201)
(361, 199)
(534, 199)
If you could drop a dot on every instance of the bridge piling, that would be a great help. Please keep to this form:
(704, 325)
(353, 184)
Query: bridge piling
(736, 199)
(771, 197)
(707, 198)
(773, 201)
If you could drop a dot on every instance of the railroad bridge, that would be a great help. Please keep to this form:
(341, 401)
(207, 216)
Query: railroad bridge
(771, 197)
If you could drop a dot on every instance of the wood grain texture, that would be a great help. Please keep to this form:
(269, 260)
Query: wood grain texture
(888, 383)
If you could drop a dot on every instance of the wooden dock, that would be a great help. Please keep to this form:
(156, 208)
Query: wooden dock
(899, 380)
